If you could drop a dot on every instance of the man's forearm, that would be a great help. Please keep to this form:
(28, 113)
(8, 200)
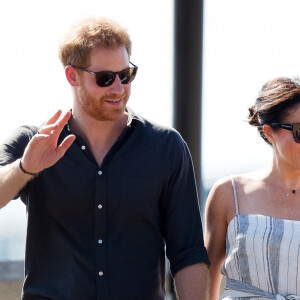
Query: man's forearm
(11, 182)
(192, 282)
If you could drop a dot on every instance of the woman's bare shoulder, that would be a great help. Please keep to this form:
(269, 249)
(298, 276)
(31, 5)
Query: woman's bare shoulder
(251, 179)
(222, 193)
(223, 183)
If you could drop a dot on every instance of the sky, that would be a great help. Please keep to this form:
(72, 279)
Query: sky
(246, 43)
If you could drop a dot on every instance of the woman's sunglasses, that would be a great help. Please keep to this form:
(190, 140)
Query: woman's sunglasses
(107, 78)
(295, 127)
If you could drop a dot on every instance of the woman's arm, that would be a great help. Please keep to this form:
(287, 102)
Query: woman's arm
(217, 210)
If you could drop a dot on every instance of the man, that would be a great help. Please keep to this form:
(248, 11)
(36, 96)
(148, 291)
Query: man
(106, 190)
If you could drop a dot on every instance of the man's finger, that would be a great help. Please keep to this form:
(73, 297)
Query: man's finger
(54, 118)
(48, 128)
(62, 122)
(65, 144)
(58, 127)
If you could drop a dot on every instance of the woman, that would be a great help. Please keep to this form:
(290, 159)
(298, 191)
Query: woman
(253, 220)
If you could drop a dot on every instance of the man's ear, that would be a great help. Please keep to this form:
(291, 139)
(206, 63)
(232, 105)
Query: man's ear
(72, 76)
(268, 132)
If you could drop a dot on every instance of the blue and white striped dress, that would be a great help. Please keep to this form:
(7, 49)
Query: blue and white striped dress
(262, 253)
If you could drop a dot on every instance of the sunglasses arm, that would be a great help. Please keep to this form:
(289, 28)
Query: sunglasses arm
(283, 126)
(83, 69)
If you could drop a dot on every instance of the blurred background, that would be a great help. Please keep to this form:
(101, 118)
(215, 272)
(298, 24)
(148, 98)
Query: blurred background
(245, 43)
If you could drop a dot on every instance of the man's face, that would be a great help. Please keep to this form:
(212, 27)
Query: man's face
(104, 103)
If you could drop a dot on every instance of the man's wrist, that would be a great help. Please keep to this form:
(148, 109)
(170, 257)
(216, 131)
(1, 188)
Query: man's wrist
(24, 171)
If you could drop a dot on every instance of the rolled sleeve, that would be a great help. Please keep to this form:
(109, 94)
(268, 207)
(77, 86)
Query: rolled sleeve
(183, 227)
(14, 146)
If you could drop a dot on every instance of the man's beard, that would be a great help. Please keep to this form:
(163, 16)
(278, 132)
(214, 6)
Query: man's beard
(98, 109)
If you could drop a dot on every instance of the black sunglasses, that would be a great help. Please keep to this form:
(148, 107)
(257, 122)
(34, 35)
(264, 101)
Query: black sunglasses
(295, 127)
(107, 78)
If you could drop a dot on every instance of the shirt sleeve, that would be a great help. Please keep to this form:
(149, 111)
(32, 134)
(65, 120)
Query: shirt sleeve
(182, 225)
(14, 146)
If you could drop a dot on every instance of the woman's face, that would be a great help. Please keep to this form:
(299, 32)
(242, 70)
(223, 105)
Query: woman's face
(286, 150)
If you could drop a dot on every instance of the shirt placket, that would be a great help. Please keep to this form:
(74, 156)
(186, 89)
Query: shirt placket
(100, 233)
(100, 216)
(100, 196)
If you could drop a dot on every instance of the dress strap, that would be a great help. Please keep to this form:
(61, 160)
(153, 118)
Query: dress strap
(235, 197)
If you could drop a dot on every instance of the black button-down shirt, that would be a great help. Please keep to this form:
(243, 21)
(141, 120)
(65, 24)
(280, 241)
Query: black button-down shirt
(100, 232)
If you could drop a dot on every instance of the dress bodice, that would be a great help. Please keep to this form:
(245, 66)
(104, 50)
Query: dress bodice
(263, 252)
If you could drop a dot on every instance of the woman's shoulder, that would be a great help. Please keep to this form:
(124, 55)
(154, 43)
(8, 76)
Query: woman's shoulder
(222, 191)
(251, 179)
(242, 178)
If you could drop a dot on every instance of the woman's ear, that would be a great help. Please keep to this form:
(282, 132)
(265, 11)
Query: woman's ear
(72, 75)
(268, 132)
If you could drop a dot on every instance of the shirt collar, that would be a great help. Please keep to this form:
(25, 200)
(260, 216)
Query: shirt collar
(133, 116)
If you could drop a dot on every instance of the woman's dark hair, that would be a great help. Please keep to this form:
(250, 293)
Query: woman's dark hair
(275, 102)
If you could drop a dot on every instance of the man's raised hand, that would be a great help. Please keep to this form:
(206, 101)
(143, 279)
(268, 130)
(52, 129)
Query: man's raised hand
(43, 151)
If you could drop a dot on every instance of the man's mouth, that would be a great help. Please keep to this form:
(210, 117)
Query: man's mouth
(116, 101)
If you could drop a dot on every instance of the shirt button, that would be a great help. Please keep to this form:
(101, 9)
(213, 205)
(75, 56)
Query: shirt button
(100, 206)
(99, 172)
(100, 273)
(100, 241)
(83, 147)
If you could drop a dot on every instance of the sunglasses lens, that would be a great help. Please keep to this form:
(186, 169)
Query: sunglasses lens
(296, 134)
(127, 75)
(105, 78)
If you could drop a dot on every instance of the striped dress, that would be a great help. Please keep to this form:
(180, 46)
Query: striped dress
(262, 257)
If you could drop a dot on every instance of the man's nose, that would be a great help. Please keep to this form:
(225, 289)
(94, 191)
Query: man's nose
(117, 86)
